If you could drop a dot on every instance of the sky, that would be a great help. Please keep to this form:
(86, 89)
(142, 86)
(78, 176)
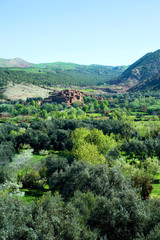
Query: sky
(116, 32)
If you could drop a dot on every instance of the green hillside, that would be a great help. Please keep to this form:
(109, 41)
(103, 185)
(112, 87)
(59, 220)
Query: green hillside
(59, 73)
(61, 65)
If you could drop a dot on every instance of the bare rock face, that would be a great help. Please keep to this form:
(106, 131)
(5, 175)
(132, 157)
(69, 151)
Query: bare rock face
(145, 68)
(152, 83)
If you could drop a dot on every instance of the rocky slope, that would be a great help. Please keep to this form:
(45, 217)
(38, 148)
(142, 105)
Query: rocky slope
(143, 70)
(152, 83)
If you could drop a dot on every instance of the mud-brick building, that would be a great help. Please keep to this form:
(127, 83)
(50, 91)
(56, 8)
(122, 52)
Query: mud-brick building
(67, 96)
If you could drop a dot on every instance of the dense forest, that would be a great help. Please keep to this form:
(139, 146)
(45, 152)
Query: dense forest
(90, 170)
(64, 75)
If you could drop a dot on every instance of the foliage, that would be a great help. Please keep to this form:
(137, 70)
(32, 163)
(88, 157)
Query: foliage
(103, 170)
(11, 189)
(142, 183)
(47, 219)
(57, 75)
(6, 152)
(22, 161)
(91, 145)
(84, 177)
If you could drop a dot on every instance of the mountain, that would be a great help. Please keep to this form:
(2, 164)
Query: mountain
(140, 72)
(100, 69)
(144, 74)
(95, 67)
(16, 62)
(57, 65)
(152, 83)
(59, 73)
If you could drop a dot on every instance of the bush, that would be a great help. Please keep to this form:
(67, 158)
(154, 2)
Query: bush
(31, 180)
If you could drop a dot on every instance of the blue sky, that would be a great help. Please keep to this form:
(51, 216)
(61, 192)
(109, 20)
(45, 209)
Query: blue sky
(116, 32)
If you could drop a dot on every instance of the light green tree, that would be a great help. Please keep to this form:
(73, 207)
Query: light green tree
(91, 145)
(43, 113)
(87, 152)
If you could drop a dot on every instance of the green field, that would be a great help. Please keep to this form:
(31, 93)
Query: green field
(156, 191)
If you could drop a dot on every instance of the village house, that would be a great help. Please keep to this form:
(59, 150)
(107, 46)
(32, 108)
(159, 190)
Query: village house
(67, 96)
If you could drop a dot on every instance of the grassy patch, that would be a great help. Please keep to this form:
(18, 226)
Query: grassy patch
(156, 191)
(37, 158)
(86, 90)
(94, 115)
(157, 176)
(32, 194)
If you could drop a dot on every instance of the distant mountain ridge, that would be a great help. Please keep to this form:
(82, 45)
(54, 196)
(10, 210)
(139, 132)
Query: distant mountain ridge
(16, 62)
(144, 74)
(59, 73)
(19, 62)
